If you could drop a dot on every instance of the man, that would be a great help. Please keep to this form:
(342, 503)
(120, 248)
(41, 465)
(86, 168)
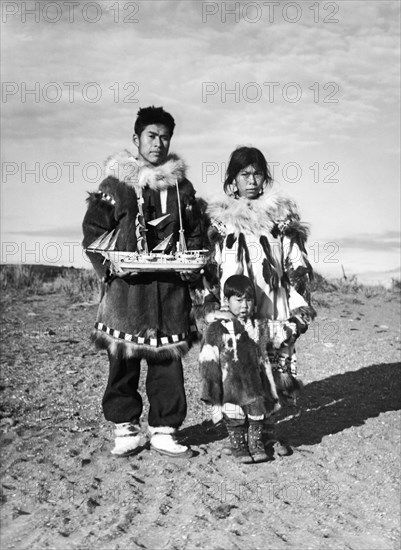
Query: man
(148, 315)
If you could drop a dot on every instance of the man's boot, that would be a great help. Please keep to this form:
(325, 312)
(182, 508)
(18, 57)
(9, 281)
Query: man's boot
(163, 441)
(255, 442)
(128, 439)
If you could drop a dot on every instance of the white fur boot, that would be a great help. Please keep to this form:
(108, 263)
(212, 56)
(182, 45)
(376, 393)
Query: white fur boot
(217, 414)
(162, 441)
(127, 440)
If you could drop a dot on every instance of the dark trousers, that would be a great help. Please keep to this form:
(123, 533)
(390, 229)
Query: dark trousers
(164, 387)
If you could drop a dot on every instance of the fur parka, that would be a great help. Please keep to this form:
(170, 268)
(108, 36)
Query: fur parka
(149, 314)
(265, 240)
(233, 370)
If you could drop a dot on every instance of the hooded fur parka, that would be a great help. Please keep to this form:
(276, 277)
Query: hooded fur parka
(146, 315)
(264, 239)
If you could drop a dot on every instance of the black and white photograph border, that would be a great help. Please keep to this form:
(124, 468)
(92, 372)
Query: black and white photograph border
(314, 86)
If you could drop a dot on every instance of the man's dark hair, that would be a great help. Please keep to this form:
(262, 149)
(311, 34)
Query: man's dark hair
(153, 115)
(239, 285)
(243, 157)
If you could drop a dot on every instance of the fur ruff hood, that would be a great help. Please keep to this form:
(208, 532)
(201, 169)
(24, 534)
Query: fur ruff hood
(126, 168)
(257, 216)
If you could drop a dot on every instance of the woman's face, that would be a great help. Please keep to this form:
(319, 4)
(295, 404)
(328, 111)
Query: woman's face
(249, 182)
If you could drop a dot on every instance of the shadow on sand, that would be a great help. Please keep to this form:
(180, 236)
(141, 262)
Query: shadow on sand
(325, 407)
(202, 434)
(336, 403)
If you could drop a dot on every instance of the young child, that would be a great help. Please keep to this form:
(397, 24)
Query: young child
(234, 374)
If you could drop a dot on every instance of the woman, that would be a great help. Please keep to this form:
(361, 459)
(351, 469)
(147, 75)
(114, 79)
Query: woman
(256, 231)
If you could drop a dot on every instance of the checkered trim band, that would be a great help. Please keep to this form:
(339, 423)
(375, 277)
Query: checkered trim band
(154, 342)
(106, 197)
(284, 363)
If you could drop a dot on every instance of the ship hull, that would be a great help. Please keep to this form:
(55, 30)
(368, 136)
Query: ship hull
(131, 262)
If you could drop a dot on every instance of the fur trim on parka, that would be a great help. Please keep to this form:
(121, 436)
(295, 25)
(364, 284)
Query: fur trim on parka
(273, 212)
(127, 350)
(258, 216)
(126, 168)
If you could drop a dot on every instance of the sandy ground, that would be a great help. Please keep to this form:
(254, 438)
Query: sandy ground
(62, 489)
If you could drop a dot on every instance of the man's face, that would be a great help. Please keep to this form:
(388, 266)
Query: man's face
(153, 143)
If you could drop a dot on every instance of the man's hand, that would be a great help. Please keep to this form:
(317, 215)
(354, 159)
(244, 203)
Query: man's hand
(191, 276)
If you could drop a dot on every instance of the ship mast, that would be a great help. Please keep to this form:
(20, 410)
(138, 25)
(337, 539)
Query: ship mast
(181, 245)
(142, 243)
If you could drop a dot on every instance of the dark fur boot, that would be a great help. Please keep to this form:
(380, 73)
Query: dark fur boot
(273, 445)
(236, 431)
(255, 441)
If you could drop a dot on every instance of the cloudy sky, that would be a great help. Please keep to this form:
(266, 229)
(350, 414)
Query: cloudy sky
(314, 85)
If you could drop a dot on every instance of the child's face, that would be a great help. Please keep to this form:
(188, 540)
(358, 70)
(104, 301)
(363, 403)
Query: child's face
(241, 306)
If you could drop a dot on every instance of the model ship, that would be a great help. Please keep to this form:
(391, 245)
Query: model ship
(143, 260)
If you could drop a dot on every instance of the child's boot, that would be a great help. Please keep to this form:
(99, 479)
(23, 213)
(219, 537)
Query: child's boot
(237, 433)
(255, 442)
